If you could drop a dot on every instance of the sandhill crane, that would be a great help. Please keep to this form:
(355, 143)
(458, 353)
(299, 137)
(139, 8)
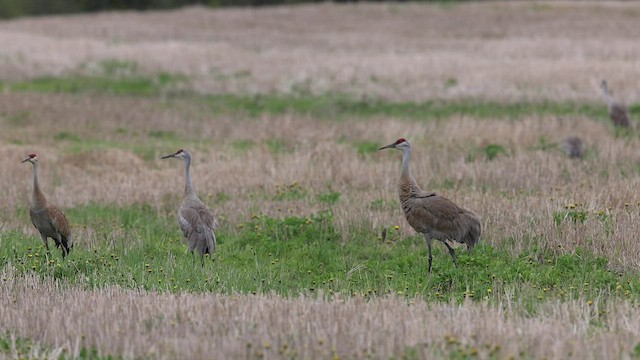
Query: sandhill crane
(619, 113)
(196, 220)
(47, 218)
(431, 214)
(573, 147)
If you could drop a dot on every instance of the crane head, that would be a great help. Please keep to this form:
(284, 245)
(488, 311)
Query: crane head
(603, 84)
(32, 158)
(400, 144)
(180, 154)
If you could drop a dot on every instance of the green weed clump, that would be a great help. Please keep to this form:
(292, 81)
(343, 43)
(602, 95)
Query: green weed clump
(493, 150)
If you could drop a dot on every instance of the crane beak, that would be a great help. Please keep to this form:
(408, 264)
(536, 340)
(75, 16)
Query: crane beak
(168, 156)
(390, 146)
(25, 160)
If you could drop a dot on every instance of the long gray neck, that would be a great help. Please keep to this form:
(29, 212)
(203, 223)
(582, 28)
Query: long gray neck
(38, 196)
(407, 185)
(188, 186)
(406, 173)
(607, 95)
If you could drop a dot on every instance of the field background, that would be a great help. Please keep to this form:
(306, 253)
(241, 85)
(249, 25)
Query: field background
(283, 109)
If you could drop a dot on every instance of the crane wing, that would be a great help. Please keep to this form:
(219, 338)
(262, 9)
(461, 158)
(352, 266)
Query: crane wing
(210, 224)
(430, 211)
(191, 225)
(59, 221)
(187, 219)
(197, 224)
(33, 214)
(207, 216)
(619, 114)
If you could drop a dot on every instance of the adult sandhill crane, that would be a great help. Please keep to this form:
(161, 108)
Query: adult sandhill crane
(196, 220)
(619, 113)
(573, 147)
(47, 218)
(431, 214)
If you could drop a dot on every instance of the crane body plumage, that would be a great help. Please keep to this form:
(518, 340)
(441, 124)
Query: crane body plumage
(49, 220)
(574, 147)
(195, 219)
(618, 113)
(431, 214)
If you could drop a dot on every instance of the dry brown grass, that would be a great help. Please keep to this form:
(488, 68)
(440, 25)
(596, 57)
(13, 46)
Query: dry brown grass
(165, 326)
(497, 50)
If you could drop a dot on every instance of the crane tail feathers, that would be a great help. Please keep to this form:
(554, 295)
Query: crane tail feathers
(472, 237)
(211, 241)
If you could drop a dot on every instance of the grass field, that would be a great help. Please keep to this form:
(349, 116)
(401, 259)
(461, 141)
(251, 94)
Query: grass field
(284, 109)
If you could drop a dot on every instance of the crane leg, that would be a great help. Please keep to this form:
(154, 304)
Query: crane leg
(452, 253)
(46, 244)
(202, 249)
(63, 245)
(428, 240)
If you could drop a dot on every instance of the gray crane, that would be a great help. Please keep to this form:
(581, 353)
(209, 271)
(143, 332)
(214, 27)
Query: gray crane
(619, 113)
(196, 220)
(50, 221)
(431, 214)
(574, 147)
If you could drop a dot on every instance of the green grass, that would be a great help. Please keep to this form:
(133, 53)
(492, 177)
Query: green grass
(17, 119)
(67, 136)
(278, 146)
(148, 149)
(488, 152)
(335, 106)
(243, 145)
(24, 348)
(493, 150)
(122, 78)
(366, 147)
(297, 255)
(109, 76)
(329, 198)
(135, 85)
(79, 146)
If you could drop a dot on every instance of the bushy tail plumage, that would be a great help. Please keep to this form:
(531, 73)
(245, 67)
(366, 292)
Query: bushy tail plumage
(69, 243)
(474, 229)
(211, 241)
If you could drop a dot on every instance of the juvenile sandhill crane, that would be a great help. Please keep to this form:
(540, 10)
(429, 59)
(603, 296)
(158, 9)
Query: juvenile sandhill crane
(196, 220)
(47, 218)
(431, 214)
(618, 113)
(573, 146)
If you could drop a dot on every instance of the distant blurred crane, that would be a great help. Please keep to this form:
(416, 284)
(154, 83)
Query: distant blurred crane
(431, 214)
(619, 113)
(196, 220)
(574, 147)
(50, 221)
